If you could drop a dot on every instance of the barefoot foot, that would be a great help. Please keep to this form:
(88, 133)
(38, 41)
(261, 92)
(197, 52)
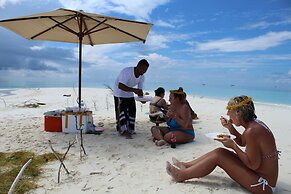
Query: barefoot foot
(160, 142)
(177, 163)
(168, 168)
(173, 172)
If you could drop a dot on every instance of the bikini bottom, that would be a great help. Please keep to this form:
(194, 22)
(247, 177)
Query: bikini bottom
(187, 131)
(265, 183)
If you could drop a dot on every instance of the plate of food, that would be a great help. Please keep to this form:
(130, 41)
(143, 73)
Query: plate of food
(155, 113)
(143, 98)
(219, 135)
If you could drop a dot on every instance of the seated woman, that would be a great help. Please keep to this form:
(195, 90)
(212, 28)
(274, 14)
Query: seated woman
(158, 104)
(179, 121)
(256, 168)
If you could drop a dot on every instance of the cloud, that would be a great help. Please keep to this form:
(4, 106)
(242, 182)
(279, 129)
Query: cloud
(37, 48)
(176, 23)
(140, 9)
(282, 80)
(289, 72)
(160, 60)
(163, 23)
(18, 53)
(265, 24)
(102, 56)
(4, 2)
(30, 78)
(156, 41)
(260, 25)
(266, 41)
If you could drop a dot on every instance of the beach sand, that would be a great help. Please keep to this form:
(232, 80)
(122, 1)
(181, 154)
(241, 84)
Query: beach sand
(115, 164)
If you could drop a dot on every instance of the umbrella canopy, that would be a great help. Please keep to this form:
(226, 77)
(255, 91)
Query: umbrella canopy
(64, 25)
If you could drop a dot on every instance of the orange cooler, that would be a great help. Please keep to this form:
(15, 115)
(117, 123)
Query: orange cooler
(53, 123)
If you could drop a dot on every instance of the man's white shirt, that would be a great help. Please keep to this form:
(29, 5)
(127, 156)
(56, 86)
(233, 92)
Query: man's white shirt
(127, 77)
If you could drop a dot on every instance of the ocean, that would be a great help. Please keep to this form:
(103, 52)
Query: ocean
(258, 95)
(226, 92)
(220, 92)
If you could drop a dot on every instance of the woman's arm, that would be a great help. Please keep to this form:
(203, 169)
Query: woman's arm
(227, 124)
(252, 156)
(183, 117)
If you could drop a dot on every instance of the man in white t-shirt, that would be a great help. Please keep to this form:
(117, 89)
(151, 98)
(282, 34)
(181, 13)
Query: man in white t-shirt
(124, 90)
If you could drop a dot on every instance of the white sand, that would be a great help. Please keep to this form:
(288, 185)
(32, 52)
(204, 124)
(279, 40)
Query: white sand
(122, 165)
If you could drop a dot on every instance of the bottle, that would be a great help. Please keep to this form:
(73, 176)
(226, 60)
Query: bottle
(173, 141)
(173, 145)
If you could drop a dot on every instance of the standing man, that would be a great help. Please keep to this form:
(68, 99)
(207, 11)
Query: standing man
(124, 89)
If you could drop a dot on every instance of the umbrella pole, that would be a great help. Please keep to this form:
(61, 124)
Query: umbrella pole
(80, 79)
(80, 69)
(81, 35)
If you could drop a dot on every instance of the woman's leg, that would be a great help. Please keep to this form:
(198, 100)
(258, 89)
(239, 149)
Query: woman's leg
(180, 137)
(159, 132)
(190, 163)
(223, 158)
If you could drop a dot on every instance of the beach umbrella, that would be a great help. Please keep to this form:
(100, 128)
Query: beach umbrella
(64, 25)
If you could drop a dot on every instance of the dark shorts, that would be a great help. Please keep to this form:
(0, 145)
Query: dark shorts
(157, 118)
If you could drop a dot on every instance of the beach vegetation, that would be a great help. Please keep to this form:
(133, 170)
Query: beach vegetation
(12, 162)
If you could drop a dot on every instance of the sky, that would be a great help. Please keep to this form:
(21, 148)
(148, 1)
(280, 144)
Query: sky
(220, 43)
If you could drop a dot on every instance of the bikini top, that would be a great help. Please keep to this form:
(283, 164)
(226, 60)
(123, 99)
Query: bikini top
(172, 123)
(156, 103)
(276, 153)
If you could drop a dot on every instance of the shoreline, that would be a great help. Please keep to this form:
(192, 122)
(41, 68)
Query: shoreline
(9, 92)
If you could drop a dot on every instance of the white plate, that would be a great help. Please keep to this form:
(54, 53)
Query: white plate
(143, 98)
(99, 129)
(155, 113)
(214, 135)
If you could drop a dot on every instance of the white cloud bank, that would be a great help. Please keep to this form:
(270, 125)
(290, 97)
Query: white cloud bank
(266, 41)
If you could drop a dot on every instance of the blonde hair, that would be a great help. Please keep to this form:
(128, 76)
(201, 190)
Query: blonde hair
(180, 94)
(243, 107)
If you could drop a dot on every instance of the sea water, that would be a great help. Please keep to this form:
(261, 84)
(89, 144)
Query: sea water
(258, 95)
(272, 96)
